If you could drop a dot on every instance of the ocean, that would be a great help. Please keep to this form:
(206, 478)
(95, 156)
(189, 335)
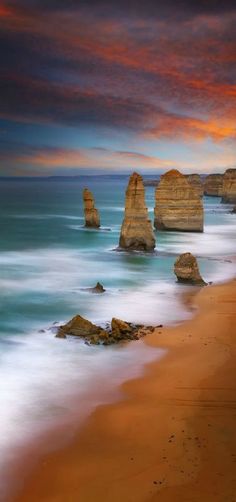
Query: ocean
(47, 257)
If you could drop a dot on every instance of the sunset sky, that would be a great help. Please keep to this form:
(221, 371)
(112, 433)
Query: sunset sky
(113, 86)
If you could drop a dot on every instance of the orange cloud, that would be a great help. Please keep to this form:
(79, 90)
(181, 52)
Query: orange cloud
(188, 127)
(89, 158)
(60, 160)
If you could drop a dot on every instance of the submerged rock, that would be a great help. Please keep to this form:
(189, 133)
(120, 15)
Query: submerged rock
(98, 289)
(136, 231)
(178, 205)
(213, 185)
(91, 214)
(233, 210)
(229, 186)
(196, 182)
(60, 334)
(187, 271)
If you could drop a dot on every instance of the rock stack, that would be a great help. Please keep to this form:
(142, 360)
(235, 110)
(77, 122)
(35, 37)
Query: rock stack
(136, 231)
(213, 185)
(178, 205)
(196, 182)
(229, 186)
(91, 214)
(187, 271)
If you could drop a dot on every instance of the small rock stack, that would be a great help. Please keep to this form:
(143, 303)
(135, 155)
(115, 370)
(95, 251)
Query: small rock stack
(91, 214)
(136, 231)
(187, 271)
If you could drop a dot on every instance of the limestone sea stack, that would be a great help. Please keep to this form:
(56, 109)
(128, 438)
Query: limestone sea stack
(196, 182)
(178, 204)
(91, 214)
(229, 186)
(213, 185)
(136, 231)
(187, 271)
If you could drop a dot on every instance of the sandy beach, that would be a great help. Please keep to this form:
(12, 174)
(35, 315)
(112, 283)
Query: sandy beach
(172, 437)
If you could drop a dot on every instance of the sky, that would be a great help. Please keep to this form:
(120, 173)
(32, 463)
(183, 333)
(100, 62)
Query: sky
(112, 86)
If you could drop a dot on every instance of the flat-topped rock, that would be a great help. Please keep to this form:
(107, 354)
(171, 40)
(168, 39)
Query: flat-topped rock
(91, 214)
(136, 231)
(213, 185)
(187, 271)
(229, 186)
(178, 205)
(196, 182)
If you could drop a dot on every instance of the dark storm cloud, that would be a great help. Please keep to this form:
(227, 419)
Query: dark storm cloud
(149, 8)
(121, 65)
(27, 99)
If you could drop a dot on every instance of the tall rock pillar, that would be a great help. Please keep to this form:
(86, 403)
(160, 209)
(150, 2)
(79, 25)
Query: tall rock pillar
(91, 214)
(136, 231)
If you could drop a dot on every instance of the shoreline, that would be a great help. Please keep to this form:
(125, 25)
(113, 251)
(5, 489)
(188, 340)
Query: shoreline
(171, 436)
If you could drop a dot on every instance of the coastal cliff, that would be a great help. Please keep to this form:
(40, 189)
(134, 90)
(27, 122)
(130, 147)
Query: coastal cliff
(213, 185)
(229, 186)
(136, 231)
(178, 205)
(91, 214)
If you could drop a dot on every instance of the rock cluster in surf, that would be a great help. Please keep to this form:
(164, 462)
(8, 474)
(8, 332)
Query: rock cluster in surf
(213, 185)
(117, 331)
(187, 271)
(91, 214)
(136, 231)
(178, 205)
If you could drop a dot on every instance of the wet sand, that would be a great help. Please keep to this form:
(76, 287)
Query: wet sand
(172, 437)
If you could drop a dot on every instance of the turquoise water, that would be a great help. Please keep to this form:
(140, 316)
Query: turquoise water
(47, 258)
(46, 255)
